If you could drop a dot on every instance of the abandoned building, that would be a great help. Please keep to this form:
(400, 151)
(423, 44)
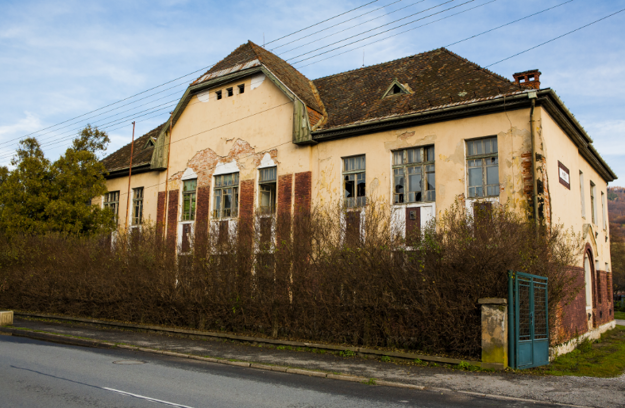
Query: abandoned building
(255, 136)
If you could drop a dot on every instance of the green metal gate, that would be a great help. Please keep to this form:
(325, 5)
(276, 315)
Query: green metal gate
(528, 320)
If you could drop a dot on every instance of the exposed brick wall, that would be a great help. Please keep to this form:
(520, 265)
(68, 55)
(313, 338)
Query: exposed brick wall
(160, 213)
(246, 211)
(572, 318)
(285, 194)
(544, 197)
(604, 311)
(201, 218)
(172, 220)
(303, 191)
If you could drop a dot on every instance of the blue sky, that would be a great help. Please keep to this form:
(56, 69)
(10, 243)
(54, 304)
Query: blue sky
(62, 59)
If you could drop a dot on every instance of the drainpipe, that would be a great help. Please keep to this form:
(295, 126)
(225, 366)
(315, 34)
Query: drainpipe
(171, 116)
(132, 147)
(532, 96)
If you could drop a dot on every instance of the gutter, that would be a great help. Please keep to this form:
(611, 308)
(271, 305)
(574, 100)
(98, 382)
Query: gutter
(532, 97)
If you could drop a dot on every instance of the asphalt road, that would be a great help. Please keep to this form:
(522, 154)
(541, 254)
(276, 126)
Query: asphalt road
(37, 374)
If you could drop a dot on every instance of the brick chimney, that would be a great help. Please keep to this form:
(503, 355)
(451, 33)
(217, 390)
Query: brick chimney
(528, 79)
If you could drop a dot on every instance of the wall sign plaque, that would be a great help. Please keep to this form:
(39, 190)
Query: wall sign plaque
(564, 175)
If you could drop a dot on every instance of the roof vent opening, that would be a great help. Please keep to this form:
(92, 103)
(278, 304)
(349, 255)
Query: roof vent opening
(396, 89)
(528, 79)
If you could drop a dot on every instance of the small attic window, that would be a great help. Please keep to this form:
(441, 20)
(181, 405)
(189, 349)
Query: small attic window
(395, 89)
(230, 91)
(150, 143)
(241, 88)
(218, 95)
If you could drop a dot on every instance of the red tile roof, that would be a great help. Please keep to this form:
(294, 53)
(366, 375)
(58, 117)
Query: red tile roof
(292, 78)
(142, 155)
(434, 78)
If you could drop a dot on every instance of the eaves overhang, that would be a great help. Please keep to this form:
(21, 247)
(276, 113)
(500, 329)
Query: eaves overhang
(546, 98)
(124, 171)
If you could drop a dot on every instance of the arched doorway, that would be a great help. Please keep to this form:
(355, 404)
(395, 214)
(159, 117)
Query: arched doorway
(590, 284)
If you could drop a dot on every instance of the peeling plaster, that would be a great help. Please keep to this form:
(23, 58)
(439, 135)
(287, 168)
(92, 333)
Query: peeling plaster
(204, 96)
(241, 157)
(188, 174)
(266, 161)
(257, 80)
(226, 168)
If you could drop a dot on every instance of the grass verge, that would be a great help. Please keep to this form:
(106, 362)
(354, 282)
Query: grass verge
(592, 358)
(619, 315)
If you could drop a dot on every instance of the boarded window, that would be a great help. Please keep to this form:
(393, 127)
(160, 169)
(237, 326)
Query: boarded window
(352, 229)
(265, 233)
(413, 225)
(186, 238)
(223, 233)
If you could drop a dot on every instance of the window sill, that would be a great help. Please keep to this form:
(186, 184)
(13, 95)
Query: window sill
(413, 203)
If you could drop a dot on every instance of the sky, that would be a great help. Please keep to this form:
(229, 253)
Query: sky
(61, 60)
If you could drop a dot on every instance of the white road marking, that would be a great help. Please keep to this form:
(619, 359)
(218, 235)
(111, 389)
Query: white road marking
(173, 404)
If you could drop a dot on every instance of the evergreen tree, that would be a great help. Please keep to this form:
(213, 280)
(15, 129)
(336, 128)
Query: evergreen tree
(38, 196)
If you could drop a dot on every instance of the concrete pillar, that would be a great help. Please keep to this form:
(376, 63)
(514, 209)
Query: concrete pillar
(494, 333)
(6, 318)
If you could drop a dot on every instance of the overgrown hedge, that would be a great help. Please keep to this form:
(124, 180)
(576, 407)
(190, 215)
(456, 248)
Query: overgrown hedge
(327, 284)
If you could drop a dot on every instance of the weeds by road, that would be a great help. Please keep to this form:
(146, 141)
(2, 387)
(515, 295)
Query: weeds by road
(592, 358)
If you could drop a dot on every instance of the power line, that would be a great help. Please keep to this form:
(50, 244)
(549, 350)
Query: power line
(168, 82)
(405, 31)
(100, 114)
(342, 22)
(349, 28)
(383, 25)
(380, 33)
(321, 22)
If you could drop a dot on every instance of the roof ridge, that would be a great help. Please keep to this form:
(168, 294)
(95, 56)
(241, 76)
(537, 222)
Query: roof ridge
(378, 65)
(488, 71)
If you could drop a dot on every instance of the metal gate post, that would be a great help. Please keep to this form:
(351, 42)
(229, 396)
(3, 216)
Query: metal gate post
(494, 333)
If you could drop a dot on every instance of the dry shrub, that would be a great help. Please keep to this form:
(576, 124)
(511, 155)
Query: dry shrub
(323, 280)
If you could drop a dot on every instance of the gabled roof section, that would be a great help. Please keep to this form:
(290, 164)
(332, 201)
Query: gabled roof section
(142, 152)
(435, 78)
(249, 55)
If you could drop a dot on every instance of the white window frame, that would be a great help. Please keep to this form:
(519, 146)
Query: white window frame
(605, 214)
(581, 193)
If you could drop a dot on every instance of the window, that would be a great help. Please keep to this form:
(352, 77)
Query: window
(230, 91)
(581, 193)
(137, 206)
(241, 88)
(483, 167)
(189, 199)
(111, 200)
(354, 181)
(603, 211)
(226, 195)
(218, 93)
(414, 176)
(267, 183)
(593, 204)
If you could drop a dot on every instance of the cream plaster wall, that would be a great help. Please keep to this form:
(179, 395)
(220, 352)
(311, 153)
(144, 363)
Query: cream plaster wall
(149, 182)
(448, 138)
(566, 204)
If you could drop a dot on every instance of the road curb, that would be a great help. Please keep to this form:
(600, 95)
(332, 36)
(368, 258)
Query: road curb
(248, 339)
(57, 338)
